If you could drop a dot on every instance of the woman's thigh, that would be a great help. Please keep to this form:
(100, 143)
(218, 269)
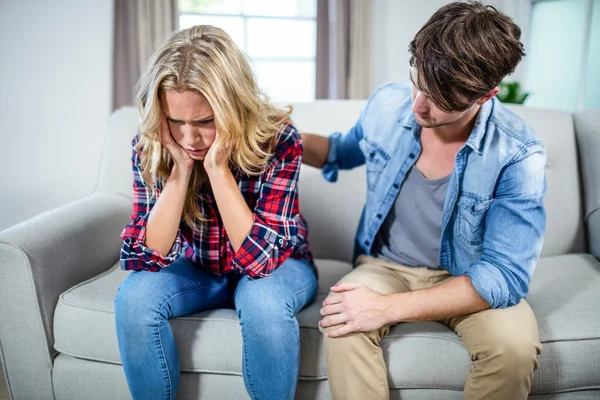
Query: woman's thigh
(293, 284)
(180, 289)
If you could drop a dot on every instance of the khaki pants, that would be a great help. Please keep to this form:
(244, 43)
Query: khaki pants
(502, 343)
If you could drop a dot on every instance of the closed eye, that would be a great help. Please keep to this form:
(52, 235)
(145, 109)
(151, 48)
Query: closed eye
(174, 121)
(204, 121)
(199, 122)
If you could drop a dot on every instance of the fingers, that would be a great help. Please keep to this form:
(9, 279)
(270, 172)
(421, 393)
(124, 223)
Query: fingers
(344, 330)
(165, 131)
(330, 310)
(332, 299)
(224, 148)
(343, 287)
(333, 320)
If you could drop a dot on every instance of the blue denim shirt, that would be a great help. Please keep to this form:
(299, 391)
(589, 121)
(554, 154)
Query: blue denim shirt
(493, 219)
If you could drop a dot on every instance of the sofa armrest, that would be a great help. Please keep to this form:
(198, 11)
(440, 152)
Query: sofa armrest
(39, 259)
(587, 129)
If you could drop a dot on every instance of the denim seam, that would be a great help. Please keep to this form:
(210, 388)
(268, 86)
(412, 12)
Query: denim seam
(248, 378)
(294, 299)
(297, 346)
(589, 213)
(525, 141)
(250, 385)
(164, 358)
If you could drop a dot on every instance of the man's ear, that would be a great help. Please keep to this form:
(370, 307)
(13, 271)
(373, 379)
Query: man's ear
(488, 96)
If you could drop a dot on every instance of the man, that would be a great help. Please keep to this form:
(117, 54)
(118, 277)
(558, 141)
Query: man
(453, 224)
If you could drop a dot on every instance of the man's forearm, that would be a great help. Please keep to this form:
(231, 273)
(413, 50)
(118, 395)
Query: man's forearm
(452, 298)
(316, 148)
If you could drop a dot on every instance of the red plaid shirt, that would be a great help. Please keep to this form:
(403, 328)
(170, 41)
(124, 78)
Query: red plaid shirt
(278, 232)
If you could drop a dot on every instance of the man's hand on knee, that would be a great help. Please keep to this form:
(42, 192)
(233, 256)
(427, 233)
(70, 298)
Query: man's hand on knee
(356, 308)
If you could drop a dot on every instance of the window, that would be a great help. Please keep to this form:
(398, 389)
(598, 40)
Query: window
(279, 36)
(564, 54)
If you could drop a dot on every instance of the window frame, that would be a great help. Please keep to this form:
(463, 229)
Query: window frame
(245, 18)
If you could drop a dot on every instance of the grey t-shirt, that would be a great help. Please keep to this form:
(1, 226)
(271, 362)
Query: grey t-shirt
(411, 232)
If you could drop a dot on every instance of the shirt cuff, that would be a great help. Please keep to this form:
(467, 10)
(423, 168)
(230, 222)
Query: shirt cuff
(489, 282)
(135, 252)
(261, 251)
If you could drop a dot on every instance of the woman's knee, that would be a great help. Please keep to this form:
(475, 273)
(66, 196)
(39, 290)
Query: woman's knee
(261, 302)
(136, 297)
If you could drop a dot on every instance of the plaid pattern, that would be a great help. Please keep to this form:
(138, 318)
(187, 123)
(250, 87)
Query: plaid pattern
(278, 232)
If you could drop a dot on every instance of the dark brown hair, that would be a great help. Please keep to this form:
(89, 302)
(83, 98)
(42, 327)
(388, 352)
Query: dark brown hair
(463, 52)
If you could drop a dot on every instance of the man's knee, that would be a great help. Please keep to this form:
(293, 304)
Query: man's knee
(351, 343)
(515, 353)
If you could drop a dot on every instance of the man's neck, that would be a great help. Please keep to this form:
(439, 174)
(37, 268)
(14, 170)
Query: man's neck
(459, 130)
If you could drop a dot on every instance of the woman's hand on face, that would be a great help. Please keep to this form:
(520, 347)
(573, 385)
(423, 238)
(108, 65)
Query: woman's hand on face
(221, 157)
(180, 157)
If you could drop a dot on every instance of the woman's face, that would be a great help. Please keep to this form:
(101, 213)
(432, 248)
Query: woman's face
(191, 120)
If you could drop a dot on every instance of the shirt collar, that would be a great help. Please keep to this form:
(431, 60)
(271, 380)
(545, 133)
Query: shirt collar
(475, 140)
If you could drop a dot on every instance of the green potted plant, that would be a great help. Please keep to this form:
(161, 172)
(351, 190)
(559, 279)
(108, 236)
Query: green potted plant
(510, 92)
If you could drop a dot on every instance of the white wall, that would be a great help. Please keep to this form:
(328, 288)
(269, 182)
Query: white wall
(56, 78)
(397, 21)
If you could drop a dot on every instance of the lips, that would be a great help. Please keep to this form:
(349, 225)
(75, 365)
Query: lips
(194, 152)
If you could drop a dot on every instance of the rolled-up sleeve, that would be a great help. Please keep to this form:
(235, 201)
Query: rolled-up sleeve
(135, 255)
(515, 225)
(278, 227)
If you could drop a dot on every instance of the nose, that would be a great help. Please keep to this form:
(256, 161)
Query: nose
(420, 104)
(190, 134)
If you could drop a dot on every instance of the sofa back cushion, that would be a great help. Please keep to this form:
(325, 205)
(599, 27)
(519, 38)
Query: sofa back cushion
(333, 210)
(587, 125)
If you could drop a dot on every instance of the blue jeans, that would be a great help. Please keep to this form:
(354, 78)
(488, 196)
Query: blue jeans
(266, 309)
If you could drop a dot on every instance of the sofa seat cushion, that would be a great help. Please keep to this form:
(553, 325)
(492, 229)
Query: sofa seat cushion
(564, 294)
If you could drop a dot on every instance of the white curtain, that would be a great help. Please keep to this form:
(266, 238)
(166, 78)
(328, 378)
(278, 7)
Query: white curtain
(140, 25)
(344, 41)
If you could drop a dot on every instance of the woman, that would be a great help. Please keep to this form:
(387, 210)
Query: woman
(215, 170)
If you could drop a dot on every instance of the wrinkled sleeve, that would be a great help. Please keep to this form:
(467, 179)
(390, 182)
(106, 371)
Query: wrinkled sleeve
(344, 149)
(135, 255)
(278, 227)
(513, 239)
(344, 152)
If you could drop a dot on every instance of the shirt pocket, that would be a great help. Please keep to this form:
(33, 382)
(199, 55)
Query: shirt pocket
(375, 159)
(470, 219)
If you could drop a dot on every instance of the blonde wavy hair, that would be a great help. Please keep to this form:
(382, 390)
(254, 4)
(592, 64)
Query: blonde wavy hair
(205, 59)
